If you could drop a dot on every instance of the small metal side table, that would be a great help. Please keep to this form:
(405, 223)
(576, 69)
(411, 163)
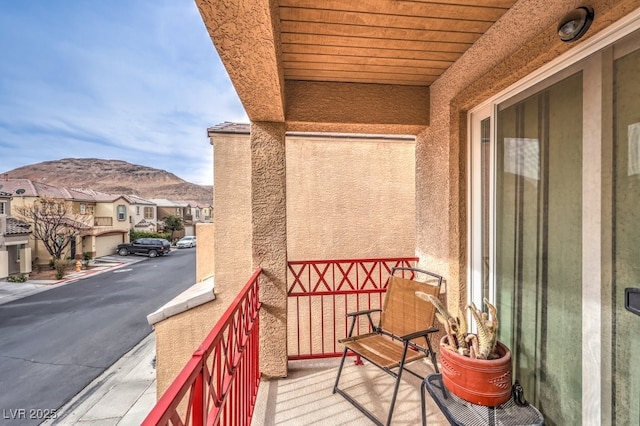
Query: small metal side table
(463, 413)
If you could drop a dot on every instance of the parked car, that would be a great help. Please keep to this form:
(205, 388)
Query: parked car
(150, 246)
(189, 241)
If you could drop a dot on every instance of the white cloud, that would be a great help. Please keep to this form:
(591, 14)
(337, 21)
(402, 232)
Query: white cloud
(135, 81)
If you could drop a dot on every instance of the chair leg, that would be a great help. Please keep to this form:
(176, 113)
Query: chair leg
(434, 360)
(397, 386)
(423, 403)
(344, 355)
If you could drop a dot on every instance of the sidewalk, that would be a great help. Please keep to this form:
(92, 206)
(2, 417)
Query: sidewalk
(14, 291)
(122, 395)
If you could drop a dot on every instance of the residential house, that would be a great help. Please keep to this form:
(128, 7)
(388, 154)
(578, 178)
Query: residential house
(102, 219)
(143, 214)
(15, 253)
(112, 221)
(527, 132)
(167, 208)
(206, 212)
(197, 212)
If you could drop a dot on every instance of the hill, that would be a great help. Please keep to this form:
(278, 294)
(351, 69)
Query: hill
(115, 177)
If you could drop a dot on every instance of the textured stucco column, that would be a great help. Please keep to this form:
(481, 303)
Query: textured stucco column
(269, 241)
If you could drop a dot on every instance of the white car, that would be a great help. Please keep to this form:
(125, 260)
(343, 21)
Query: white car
(189, 241)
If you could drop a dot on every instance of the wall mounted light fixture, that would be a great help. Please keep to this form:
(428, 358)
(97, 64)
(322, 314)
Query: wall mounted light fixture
(575, 24)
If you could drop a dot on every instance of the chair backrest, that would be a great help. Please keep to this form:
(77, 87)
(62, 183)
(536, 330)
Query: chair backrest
(403, 312)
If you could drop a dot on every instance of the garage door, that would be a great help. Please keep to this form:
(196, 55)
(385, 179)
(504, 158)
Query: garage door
(106, 244)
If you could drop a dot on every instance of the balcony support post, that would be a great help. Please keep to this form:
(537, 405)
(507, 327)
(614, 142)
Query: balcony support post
(269, 241)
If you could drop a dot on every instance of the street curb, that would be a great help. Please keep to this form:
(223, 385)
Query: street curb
(85, 404)
(63, 282)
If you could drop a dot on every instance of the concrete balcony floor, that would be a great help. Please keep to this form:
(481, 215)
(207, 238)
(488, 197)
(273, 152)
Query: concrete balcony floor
(305, 397)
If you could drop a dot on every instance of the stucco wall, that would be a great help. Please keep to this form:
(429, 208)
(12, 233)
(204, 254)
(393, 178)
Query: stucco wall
(177, 337)
(232, 212)
(4, 264)
(350, 198)
(269, 241)
(346, 198)
(205, 251)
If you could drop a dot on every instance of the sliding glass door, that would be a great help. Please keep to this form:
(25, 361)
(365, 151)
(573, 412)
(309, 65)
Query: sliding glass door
(554, 235)
(625, 345)
(538, 244)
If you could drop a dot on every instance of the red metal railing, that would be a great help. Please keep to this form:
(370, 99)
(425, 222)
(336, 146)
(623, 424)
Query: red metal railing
(219, 384)
(321, 292)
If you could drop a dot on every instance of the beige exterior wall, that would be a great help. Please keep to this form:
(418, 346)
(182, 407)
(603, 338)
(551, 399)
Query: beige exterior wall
(111, 210)
(137, 217)
(232, 212)
(177, 337)
(25, 260)
(350, 198)
(346, 198)
(4, 264)
(205, 251)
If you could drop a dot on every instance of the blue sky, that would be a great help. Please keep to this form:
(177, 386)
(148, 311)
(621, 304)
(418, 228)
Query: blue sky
(132, 80)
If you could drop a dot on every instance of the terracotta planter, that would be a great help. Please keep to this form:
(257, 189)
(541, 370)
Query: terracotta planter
(480, 381)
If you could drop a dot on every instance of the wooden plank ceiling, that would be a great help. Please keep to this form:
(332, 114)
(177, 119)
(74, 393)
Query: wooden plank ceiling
(380, 41)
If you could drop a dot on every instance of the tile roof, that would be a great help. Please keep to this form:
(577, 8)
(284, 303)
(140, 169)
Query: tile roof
(193, 203)
(163, 202)
(134, 199)
(245, 129)
(94, 195)
(228, 127)
(13, 185)
(143, 224)
(16, 227)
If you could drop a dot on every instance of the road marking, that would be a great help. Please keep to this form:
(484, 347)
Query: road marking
(122, 270)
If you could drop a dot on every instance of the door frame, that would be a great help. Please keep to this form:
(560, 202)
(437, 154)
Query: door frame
(597, 187)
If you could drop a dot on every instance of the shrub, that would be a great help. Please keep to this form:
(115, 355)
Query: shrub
(18, 278)
(134, 235)
(61, 265)
(87, 256)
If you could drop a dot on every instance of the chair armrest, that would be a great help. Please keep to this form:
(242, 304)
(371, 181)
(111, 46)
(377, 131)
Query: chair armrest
(421, 333)
(368, 311)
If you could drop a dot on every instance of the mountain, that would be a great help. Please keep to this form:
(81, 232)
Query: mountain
(114, 177)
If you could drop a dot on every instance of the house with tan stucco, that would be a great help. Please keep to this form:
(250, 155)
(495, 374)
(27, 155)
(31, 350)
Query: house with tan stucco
(15, 253)
(102, 219)
(523, 120)
(143, 214)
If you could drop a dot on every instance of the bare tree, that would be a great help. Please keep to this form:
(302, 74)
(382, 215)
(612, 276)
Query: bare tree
(54, 223)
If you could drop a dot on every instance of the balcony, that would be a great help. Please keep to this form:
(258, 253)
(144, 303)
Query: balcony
(102, 221)
(220, 384)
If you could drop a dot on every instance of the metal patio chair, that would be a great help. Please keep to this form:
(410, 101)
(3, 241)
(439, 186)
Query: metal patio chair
(401, 336)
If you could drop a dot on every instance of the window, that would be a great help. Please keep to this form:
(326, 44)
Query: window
(148, 212)
(83, 208)
(2, 203)
(122, 212)
(138, 210)
(197, 214)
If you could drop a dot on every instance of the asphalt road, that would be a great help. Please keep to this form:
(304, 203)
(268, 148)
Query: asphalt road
(53, 344)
